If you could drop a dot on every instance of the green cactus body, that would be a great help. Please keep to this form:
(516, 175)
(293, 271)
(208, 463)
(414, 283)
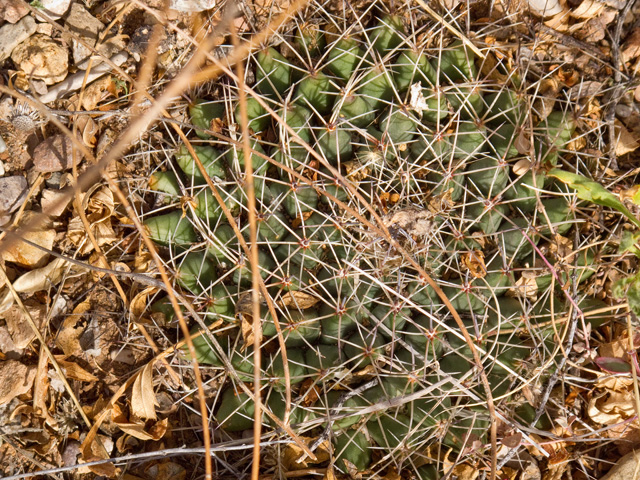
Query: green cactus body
(210, 158)
(513, 240)
(299, 328)
(236, 411)
(276, 404)
(356, 110)
(171, 229)
(428, 472)
(553, 135)
(221, 303)
(274, 368)
(202, 113)
(558, 210)
(502, 141)
(488, 176)
(164, 307)
(582, 269)
(207, 206)
(437, 108)
(398, 125)
(316, 92)
(387, 34)
(468, 140)
(456, 63)
(390, 432)
(343, 57)
(242, 273)
(222, 244)
(272, 226)
(465, 297)
(349, 409)
(337, 322)
(205, 353)
(526, 413)
(273, 72)
(334, 144)
(422, 334)
(364, 349)
(353, 447)
(467, 101)
(196, 272)
(376, 87)
(467, 426)
(165, 182)
(321, 360)
(504, 107)
(521, 195)
(236, 161)
(487, 219)
(412, 66)
(393, 317)
(259, 118)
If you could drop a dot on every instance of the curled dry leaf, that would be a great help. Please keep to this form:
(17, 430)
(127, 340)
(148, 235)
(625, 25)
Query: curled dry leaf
(137, 428)
(30, 256)
(143, 398)
(41, 278)
(300, 300)
(138, 305)
(98, 206)
(15, 379)
(610, 408)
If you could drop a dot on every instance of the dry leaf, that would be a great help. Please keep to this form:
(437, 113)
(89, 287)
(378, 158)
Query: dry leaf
(96, 92)
(610, 408)
(74, 371)
(626, 468)
(98, 206)
(41, 278)
(587, 9)
(19, 332)
(15, 379)
(137, 429)
(300, 300)
(585, 90)
(474, 261)
(138, 305)
(631, 48)
(89, 129)
(143, 398)
(69, 335)
(626, 141)
(27, 255)
(292, 453)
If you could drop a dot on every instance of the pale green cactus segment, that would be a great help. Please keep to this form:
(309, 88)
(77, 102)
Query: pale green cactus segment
(337, 322)
(558, 210)
(344, 57)
(273, 73)
(487, 218)
(505, 106)
(259, 118)
(413, 66)
(364, 348)
(432, 146)
(165, 182)
(512, 238)
(502, 141)
(316, 92)
(299, 328)
(436, 103)
(171, 229)
(457, 63)
(220, 302)
(210, 157)
(393, 317)
(202, 113)
(522, 194)
(553, 135)
(223, 243)
(398, 125)
(377, 87)
(236, 411)
(196, 272)
(390, 432)
(465, 296)
(205, 351)
(488, 176)
(349, 408)
(428, 472)
(387, 34)
(321, 360)
(236, 160)
(334, 143)
(242, 274)
(467, 101)
(299, 119)
(274, 369)
(353, 447)
(582, 269)
(468, 140)
(207, 206)
(356, 110)
(277, 405)
(272, 226)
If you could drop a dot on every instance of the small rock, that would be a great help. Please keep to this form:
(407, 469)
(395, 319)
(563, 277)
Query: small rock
(42, 58)
(55, 154)
(45, 29)
(85, 26)
(545, 8)
(13, 192)
(54, 8)
(13, 10)
(11, 35)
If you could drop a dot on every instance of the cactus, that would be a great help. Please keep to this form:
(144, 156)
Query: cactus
(350, 308)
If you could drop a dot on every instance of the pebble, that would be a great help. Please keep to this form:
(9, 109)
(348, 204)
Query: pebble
(87, 27)
(13, 192)
(11, 35)
(54, 202)
(55, 154)
(545, 8)
(13, 10)
(42, 58)
(55, 9)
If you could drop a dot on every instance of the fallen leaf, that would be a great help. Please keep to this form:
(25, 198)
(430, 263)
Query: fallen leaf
(626, 468)
(587, 9)
(27, 255)
(15, 379)
(96, 92)
(626, 141)
(631, 46)
(75, 372)
(41, 278)
(68, 336)
(585, 90)
(98, 206)
(143, 398)
(138, 429)
(609, 408)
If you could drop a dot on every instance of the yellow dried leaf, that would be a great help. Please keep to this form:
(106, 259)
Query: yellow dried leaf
(143, 398)
(626, 141)
(75, 372)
